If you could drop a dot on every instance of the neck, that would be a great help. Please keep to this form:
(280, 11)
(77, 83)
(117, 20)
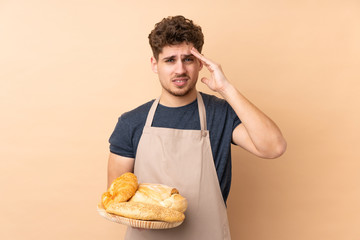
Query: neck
(169, 100)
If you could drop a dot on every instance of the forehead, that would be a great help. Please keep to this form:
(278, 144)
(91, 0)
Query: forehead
(176, 50)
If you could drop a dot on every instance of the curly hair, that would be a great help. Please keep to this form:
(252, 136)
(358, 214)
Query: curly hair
(175, 30)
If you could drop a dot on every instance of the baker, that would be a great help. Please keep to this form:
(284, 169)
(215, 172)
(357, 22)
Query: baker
(183, 138)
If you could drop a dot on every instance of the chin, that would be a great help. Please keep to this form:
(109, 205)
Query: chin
(181, 92)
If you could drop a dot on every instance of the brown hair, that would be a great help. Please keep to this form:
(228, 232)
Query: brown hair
(175, 30)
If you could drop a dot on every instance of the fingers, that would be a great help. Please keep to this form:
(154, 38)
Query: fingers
(205, 80)
(200, 56)
(197, 54)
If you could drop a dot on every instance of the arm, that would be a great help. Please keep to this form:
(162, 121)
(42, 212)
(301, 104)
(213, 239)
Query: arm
(117, 165)
(258, 133)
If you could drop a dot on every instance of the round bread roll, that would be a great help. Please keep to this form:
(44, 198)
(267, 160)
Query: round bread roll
(121, 189)
(175, 202)
(160, 195)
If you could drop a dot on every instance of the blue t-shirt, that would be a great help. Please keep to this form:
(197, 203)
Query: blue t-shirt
(221, 121)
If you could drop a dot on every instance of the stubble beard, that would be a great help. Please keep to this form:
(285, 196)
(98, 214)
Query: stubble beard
(183, 91)
(180, 93)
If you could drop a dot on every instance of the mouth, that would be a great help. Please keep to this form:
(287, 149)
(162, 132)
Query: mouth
(180, 81)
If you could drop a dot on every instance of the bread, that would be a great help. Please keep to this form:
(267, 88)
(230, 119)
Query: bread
(160, 195)
(125, 197)
(175, 202)
(145, 211)
(121, 190)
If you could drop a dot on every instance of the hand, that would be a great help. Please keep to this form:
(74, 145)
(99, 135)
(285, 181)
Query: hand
(218, 81)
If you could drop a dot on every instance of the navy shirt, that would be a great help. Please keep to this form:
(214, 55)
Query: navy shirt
(221, 121)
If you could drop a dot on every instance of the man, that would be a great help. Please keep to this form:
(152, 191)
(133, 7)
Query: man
(183, 138)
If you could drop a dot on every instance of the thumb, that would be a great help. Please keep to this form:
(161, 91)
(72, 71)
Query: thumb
(205, 80)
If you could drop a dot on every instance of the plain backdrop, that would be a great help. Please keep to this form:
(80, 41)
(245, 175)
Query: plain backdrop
(68, 69)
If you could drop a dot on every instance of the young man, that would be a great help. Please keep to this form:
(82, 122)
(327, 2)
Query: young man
(183, 139)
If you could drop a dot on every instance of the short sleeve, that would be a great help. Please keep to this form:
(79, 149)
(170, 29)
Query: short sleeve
(232, 117)
(235, 120)
(121, 140)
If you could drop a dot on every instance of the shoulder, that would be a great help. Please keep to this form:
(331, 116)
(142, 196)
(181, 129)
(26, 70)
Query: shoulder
(213, 102)
(218, 108)
(128, 129)
(137, 115)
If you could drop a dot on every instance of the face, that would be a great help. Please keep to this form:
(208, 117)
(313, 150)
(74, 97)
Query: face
(178, 69)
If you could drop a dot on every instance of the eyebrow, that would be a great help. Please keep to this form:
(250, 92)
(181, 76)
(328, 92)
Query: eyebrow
(174, 56)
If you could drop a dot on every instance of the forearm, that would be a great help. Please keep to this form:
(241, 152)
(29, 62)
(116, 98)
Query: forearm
(263, 132)
(117, 165)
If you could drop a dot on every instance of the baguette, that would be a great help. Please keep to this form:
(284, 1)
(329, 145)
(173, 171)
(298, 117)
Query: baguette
(145, 211)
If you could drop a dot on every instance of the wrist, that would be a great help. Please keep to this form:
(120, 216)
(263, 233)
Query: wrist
(227, 90)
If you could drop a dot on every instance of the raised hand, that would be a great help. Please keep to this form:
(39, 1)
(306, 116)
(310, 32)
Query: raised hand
(218, 81)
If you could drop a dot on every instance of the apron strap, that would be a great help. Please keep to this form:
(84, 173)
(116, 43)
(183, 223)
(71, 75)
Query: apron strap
(151, 113)
(201, 107)
(202, 112)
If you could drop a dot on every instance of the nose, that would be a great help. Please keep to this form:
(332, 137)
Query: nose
(180, 67)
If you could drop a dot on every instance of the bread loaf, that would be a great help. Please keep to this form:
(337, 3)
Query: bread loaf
(121, 190)
(175, 202)
(125, 197)
(160, 195)
(145, 211)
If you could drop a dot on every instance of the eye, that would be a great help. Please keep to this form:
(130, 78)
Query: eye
(189, 59)
(170, 60)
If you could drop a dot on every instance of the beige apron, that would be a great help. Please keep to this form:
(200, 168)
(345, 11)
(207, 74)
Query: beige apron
(182, 159)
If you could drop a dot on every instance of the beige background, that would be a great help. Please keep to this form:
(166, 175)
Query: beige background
(68, 69)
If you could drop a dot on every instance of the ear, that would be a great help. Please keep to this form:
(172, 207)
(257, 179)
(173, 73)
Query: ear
(154, 64)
